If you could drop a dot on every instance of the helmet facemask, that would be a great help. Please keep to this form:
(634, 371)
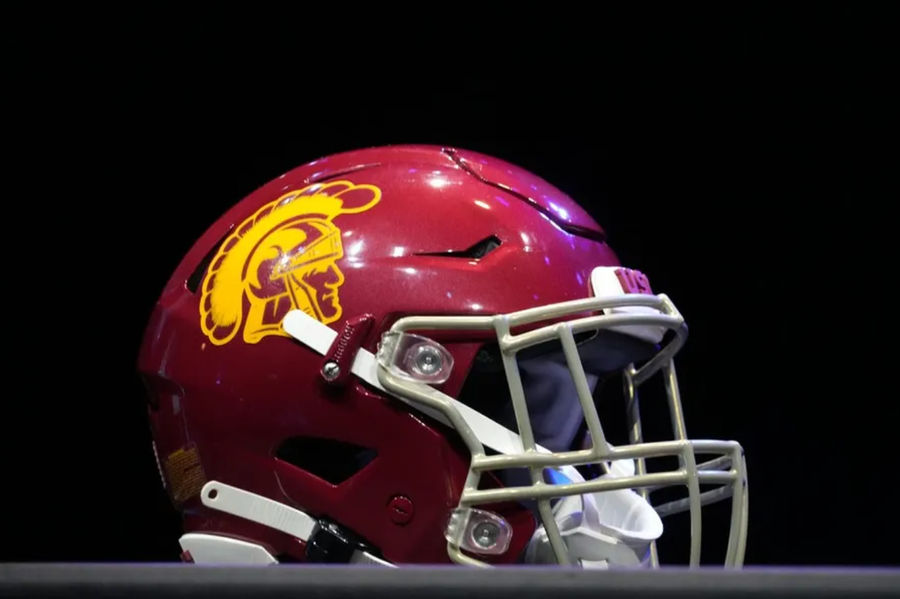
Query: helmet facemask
(596, 522)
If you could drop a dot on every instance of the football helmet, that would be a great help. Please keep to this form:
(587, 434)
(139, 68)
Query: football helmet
(393, 356)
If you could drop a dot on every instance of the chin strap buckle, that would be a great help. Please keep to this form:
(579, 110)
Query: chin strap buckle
(330, 543)
(338, 362)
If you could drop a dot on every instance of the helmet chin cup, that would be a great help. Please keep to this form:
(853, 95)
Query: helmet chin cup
(610, 529)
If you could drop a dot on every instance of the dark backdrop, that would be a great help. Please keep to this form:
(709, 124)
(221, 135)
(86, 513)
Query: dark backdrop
(736, 155)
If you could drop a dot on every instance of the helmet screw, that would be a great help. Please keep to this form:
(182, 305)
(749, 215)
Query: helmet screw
(400, 509)
(485, 534)
(331, 370)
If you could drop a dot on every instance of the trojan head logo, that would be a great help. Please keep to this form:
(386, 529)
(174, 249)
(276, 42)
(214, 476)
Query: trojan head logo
(282, 258)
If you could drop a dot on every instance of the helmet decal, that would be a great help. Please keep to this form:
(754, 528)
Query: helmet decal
(283, 257)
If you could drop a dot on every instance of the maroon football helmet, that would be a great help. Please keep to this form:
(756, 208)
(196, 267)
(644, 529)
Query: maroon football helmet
(391, 356)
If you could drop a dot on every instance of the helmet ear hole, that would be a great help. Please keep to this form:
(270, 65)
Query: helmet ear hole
(329, 459)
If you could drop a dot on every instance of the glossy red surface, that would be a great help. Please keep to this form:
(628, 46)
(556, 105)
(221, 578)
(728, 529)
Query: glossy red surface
(554, 204)
(237, 401)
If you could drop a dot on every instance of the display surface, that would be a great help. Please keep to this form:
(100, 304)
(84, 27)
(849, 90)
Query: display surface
(175, 580)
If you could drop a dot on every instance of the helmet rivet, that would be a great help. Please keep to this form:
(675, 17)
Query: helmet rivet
(331, 370)
(485, 534)
(400, 509)
(427, 360)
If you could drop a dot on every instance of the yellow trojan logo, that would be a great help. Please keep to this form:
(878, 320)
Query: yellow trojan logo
(282, 258)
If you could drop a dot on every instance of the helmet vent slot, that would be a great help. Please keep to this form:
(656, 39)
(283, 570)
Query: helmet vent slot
(475, 252)
(329, 459)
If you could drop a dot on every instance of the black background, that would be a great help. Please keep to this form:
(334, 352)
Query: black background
(736, 155)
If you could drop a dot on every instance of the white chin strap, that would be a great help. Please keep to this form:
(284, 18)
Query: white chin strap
(217, 549)
(601, 530)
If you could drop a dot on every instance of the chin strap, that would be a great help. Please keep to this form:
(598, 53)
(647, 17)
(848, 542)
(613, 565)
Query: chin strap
(325, 542)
